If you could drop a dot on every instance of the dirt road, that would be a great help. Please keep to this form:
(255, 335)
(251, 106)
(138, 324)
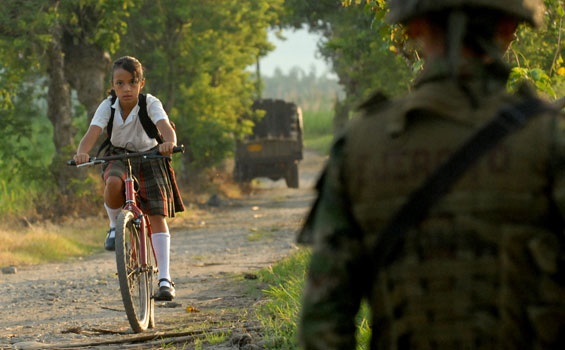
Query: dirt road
(77, 304)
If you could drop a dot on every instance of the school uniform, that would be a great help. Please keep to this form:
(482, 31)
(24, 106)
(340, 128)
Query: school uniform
(158, 193)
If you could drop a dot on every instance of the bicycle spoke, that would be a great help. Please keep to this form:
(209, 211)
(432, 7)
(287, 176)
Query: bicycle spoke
(135, 280)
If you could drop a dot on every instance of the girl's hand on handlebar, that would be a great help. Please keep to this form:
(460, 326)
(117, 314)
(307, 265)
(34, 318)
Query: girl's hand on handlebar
(166, 148)
(81, 158)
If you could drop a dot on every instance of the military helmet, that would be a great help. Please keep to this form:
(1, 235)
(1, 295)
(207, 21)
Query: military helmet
(530, 11)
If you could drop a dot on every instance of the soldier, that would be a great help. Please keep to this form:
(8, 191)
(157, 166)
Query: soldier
(484, 268)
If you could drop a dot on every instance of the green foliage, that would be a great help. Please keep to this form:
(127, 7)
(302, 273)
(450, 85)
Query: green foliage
(98, 22)
(357, 42)
(26, 28)
(19, 23)
(536, 76)
(196, 53)
(317, 123)
(26, 149)
(538, 55)
(32, 32)
(318, 130)
(363, 334)
(368, 55)
(279, 315)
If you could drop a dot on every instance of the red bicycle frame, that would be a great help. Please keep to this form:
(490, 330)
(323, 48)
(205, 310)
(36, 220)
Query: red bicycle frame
(141, 220)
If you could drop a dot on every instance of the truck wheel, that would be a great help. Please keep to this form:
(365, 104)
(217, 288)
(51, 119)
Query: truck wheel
(291, 177)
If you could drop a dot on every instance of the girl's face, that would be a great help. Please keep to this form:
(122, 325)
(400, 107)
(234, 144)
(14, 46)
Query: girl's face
(127, 87)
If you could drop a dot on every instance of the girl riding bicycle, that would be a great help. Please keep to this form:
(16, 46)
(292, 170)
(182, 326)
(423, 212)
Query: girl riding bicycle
(159, 196)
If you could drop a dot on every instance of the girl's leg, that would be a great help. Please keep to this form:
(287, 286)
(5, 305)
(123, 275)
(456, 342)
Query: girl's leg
(162, 245)
(114, 195)
(113, 202)
(112, 214)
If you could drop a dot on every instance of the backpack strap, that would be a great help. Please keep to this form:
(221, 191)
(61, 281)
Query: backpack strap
(148, 125)
(106, 143)
(418, 204)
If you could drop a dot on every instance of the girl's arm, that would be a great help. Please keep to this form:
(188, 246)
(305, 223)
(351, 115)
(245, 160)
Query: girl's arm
(86, 144)
(169, 137)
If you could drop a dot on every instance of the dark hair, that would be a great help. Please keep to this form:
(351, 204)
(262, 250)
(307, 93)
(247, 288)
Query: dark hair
(130, 64)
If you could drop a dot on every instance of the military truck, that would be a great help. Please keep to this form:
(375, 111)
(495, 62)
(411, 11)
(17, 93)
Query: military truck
(275, 147)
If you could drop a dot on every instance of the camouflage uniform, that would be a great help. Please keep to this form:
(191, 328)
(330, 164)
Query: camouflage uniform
(484, 270)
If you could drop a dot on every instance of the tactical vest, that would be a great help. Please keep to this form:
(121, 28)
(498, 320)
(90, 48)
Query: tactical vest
(483, 270)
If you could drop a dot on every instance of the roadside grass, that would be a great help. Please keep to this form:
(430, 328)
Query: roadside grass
(211, 339)
(318, 130)
(13, 198)
(47, 243)
(320, 144)
(265, 234)
(279, 312)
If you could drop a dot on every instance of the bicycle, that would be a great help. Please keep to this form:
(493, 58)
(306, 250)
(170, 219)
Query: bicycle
(135, 258)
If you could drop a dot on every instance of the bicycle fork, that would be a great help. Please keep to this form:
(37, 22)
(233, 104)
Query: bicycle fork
(141, 222)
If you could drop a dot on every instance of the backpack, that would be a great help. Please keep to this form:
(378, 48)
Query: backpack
(148, 125)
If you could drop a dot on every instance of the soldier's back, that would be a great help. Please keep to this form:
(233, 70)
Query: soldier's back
(483, 271)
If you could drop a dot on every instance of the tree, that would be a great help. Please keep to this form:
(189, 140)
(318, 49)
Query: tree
(356, 43)
(537, 55)
(67, 42)
(368, 54)
(196, 54)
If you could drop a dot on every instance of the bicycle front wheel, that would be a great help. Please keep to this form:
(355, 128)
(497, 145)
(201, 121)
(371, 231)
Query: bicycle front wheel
(135, 280)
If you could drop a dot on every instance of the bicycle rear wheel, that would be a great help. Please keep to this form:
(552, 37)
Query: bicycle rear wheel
(136, 281)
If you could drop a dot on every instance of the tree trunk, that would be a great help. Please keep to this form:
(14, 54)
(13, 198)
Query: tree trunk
(59, 111)
(86, 69)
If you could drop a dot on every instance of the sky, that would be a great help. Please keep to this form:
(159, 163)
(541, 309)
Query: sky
(299, 49)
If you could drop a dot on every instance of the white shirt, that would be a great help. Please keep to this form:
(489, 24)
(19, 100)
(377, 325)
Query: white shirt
(129, 133)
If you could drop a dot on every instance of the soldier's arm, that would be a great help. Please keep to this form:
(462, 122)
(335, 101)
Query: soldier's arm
(333, 289)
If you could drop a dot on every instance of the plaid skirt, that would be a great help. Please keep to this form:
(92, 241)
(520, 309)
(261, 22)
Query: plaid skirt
(157, 189)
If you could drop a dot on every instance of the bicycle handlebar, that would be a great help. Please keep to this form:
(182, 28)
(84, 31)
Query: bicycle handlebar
(147, 154)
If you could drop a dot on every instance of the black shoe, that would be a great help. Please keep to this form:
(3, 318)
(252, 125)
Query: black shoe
(110, 243)
(165, 293)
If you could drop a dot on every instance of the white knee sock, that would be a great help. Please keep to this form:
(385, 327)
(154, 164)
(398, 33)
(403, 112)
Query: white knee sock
(112, 214)
(162, 246)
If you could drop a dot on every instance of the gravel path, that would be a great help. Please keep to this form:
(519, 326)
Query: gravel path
(77, 304)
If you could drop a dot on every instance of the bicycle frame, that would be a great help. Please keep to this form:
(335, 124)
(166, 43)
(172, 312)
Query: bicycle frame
(136, 268)
(142, 220)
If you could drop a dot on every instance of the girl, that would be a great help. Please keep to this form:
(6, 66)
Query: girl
(159, 194)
